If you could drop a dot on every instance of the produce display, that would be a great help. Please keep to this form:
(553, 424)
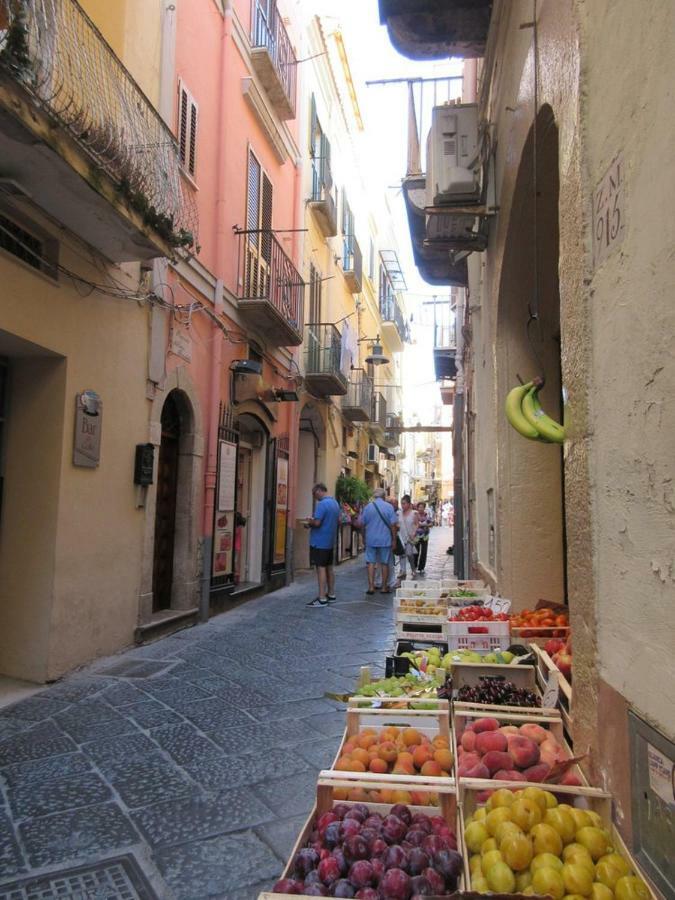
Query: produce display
(527, 752)
(422, 608)
(528, 842)
(495, 689)
(561, 654)
(408, 686)
(386, 795)
(397, 751)
(354, 852)
(540, 618)
(428, 661)
(479, 614)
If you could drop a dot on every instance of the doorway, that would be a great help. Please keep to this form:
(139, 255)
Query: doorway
(241, 570)
(168, 467)
(251, 560)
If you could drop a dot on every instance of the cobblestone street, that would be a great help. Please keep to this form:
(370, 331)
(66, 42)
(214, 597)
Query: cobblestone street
(186, 767)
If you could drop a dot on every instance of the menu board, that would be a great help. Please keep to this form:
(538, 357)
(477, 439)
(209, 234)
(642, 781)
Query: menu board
(223, 529)
(281, 515)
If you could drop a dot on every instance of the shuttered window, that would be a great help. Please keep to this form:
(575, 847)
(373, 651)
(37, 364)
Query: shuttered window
(187, 130)
(259, 203)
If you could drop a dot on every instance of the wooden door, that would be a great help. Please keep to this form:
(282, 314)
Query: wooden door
(244, 508)
(165, 511)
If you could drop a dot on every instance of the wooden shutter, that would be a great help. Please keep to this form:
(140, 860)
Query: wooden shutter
(326, 176)
(313, 127)
(266, 218)
(253, 196)
(187, 130)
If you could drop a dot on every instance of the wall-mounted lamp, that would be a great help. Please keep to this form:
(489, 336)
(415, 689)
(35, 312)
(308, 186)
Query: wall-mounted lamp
(376, 356)
(246, 367)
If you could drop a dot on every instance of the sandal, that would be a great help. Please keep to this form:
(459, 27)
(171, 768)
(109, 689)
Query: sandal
(370, 593)
(388, 591)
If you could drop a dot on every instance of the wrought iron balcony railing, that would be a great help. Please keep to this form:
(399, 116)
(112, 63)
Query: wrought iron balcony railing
(378, 417)
(270, 287)
(269, 33)
(322, 200)
(390, 311)
(54, 51)
(357, 405)
(352, 263)
(323, 359)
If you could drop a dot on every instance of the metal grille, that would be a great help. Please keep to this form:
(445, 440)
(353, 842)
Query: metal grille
(56, 52)
(275, 280)
(269, 32)
(115, 879)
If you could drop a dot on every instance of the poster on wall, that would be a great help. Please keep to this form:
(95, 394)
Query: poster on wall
(281, 515)
(223, 530)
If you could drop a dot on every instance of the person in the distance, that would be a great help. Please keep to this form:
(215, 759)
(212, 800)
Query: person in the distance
(324, 526)
(379, 521)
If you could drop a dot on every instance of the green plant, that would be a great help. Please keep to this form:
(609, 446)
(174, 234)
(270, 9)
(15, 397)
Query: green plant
(16, 52)
(352, 490)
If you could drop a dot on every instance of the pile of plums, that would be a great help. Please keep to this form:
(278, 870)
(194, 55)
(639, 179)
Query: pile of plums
(353, 852)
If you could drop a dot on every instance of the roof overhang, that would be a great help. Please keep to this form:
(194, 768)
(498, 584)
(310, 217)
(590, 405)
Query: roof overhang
(432, 29)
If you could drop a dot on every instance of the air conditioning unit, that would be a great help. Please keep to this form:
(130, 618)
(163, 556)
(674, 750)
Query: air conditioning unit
(453, 164)
(373, 453)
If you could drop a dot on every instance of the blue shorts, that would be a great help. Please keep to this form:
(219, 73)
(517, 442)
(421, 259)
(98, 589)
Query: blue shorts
(378, 555)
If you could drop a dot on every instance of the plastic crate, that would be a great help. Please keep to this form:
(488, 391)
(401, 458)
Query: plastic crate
(474, 636)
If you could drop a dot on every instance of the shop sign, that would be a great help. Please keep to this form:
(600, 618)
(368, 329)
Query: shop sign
(88, 421)
(661, 774)
(281, 516)
(609, 211)
(223, 531)
(181, 342)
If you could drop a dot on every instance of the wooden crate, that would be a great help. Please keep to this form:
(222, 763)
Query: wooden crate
(328, 782)
(396, 703)
(539, 636)
(521, 676)
(584, 797)
(545, 667)
(412, 631)
(549, 719)
(428, 722)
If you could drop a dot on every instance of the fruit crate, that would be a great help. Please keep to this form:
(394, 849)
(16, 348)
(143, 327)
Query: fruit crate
(428, 722)
(544, 669)
(549, 720)
(481, 637)
(422, 631)
(400, 665)
(538, 636)
(330, 787)
(522, 676)
(420, 610)
(472, 797)
(395, 703)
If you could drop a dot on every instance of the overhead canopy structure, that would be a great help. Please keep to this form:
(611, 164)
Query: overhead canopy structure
(430, 29)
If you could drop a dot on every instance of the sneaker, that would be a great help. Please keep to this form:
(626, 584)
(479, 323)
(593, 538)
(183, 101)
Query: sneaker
(317, 602)
(331, 598)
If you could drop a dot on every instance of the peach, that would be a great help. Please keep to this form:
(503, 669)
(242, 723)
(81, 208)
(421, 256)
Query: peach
(509, 775)
(411, 736)
(509, 729)
(469, 740)
(431, 767)
(525, 752)
(419, 756)
(571, 778)
(402, 797)
(377, 765)
(550, 743)
(485, 725)
(405, 759)
(534, 732)
(444, 759)
(491, 740)
(539, 773)
(469, 759)
(477, 771)
(496, 759)
(388, 751)
(361, 754)
(402, 770)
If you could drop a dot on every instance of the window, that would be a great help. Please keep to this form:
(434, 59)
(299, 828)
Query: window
(259, 198)
(187, 130)
(371, 261)
(314, 295)
(319, 152)
(38, 252)
(347, 234)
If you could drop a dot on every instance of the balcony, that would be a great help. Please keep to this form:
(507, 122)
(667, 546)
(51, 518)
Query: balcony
(445, 352)
(395, 329)
(323, 354)
(271, 291)
(81, 139)
(392, 438)
(352, 263)
(378, 418)
(447, 392)
(357, 404)
(273, 58)
(322, 202)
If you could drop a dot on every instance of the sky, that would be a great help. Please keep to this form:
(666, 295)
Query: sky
(385, 114)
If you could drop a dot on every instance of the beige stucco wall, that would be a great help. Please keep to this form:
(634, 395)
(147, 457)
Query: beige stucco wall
(71, 537)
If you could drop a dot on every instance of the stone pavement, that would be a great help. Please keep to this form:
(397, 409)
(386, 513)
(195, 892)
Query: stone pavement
(184, 769)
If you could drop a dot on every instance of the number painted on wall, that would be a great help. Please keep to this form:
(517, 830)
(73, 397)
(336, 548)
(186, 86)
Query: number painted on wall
(609, 211)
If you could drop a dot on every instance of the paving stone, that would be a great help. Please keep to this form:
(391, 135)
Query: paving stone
(184, 743)
(76, 688)
(31, 799)
(149, 714)
(251, 891)
(92, 731)
(11, 727)
(46, 769)
(143, 783)
(289, 796)
(89, 832)
(35, 709)
(297, 709)
(199, 816)
(11, 859)
(281, 835)
(135, 668)
(129, 746)
(218, 867)
(88, 711)
(180, 694)
(122, 693)
(42, 740)
(319, 754)
(332, 724)
(243, 769)
(120, 878)
(214, 714)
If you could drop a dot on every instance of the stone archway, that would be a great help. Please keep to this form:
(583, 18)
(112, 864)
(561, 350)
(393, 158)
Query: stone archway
(530, 517)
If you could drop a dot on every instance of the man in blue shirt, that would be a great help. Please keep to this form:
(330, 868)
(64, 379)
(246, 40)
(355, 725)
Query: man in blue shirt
(379, 520)
(322, 540)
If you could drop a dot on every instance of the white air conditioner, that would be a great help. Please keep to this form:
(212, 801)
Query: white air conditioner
(373, 453)
(453, 164)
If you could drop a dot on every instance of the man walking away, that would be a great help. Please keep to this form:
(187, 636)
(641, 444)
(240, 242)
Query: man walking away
(379, 521)
(322, 540)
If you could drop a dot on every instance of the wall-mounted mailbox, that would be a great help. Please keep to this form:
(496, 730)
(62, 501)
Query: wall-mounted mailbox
(144, 464)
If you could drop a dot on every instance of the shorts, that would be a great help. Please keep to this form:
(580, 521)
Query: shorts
(318, 556)
(378, 555)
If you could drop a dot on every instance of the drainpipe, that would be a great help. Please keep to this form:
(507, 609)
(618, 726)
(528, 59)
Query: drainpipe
(211, 471)
(458, 415)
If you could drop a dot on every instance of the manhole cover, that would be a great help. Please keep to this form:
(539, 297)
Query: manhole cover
(136, 668)
(115, 879)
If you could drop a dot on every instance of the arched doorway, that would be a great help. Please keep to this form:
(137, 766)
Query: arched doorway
(530, 517)
(172, 504)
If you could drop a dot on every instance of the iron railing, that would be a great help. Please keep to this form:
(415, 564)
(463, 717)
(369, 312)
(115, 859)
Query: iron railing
(56, 52)
(360, 391)
(269, 31)
(267, 273)
(323, 350)
(352, 261)
(445, 337)
(322, 188)
(392, 438)
(379, 414)
(390, 311)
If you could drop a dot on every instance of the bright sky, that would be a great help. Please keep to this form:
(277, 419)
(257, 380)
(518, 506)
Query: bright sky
(385, 113)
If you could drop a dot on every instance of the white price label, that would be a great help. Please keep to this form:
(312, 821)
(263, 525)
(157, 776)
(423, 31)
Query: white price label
(552, 690)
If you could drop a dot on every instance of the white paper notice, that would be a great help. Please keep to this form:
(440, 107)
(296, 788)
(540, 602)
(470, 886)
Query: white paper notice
(661, 774)
(227, 471)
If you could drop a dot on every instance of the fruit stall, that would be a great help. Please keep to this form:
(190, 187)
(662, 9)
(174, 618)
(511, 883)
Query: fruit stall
(455, 774)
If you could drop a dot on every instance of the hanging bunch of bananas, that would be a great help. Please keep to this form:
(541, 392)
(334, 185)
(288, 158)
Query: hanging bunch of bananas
(524, 412)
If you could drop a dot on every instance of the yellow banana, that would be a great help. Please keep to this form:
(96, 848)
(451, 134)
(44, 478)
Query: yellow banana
(514, 412)
(545, 426)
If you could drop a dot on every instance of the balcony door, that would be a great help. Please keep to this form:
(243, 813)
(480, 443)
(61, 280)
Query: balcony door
(258, 257)
(314, 318)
